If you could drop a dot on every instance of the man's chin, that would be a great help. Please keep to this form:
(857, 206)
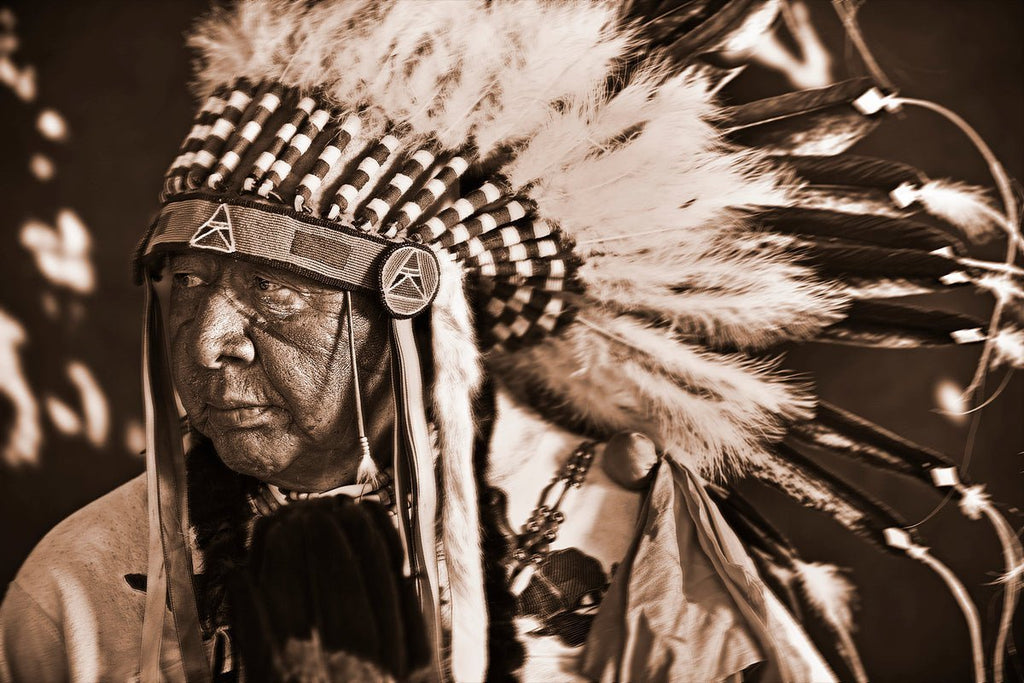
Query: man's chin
(249, 452)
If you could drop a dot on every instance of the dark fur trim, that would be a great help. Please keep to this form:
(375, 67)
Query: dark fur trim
(220, 515)
(506, 654)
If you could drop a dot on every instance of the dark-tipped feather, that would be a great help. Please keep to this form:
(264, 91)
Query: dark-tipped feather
(842, 432)
(870, 229)
(853, 170)
(895, 326)
(813, 486)
(840, 258)
(819, 121)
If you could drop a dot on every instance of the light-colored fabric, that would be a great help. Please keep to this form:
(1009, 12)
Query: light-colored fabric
(69, 614)
(686, 604)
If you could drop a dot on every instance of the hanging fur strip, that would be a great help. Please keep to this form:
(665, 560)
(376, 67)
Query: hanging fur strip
(456, 379)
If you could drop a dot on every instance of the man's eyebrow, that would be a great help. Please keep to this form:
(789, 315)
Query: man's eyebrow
(294, 280)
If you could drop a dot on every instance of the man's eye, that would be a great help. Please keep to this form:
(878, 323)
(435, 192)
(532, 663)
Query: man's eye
(265, 285)
(186, 280)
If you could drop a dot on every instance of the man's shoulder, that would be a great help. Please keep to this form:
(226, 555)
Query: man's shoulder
(106, 537)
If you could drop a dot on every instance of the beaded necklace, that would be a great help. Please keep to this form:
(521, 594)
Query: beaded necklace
(533, 543)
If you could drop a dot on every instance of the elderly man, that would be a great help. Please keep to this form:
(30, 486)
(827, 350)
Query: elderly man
(375, 204)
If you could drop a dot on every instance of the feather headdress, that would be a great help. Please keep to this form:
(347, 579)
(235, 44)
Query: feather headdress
(611, 245)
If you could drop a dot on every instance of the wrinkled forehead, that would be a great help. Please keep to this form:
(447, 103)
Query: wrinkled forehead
(405, 276)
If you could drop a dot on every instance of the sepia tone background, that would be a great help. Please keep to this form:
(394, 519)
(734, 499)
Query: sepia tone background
(93, 104)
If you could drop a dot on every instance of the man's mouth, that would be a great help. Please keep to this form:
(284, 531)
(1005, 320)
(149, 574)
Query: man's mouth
(235, 416)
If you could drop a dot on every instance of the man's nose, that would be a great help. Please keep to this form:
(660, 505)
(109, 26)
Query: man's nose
(222, 332)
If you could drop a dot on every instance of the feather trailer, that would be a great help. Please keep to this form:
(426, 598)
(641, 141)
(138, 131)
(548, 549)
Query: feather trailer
(894, 326)
(822, 586)
(815, 487)
(842, 432)
(828, 592)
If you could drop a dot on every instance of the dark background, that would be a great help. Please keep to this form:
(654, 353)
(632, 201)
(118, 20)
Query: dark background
(117, 73)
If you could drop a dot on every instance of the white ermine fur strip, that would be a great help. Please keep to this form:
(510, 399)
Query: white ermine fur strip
(456, 378)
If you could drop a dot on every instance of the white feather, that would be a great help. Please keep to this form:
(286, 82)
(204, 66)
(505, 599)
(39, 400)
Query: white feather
(1008, 345)
(963, 206)
(828, 591)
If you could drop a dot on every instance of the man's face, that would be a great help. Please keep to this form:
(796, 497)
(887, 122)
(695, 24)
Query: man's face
(261, 362)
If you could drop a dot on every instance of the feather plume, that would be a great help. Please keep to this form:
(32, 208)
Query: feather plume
(1008, 345)
(963, 206)
(832, 596)
(718, 295)
(828, 591)
(559, 52)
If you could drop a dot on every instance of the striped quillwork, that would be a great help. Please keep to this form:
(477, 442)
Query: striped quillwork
(431, 192)
(463, 208)
(297, 146)
(327, 160)
(174, 179)
(221, 129)
(267, 104)
(488, 222)
(369, 169)
(283, 136)
(413, 168)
